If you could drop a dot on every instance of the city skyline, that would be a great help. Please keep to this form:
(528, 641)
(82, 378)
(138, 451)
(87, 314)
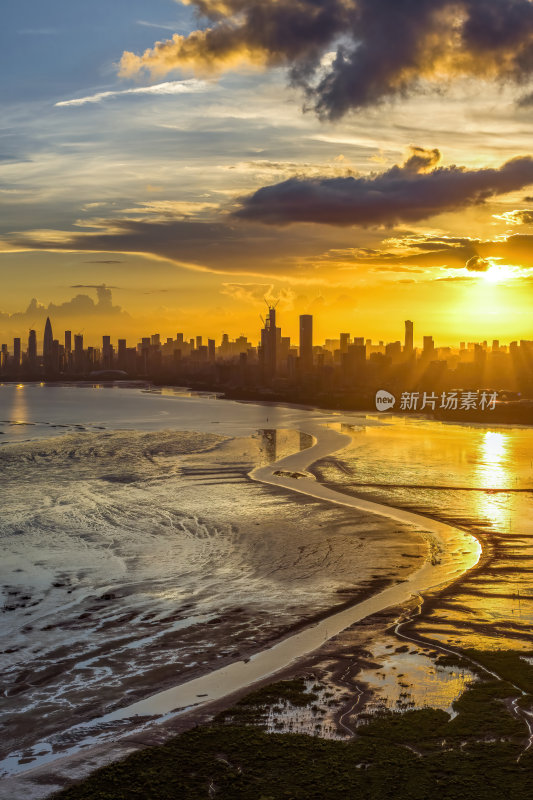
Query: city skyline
(347, 371)
(305, 325)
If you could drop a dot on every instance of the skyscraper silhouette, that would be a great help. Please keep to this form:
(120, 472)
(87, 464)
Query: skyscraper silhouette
(48, 347)
(16, 353)
(79, 356)
(32, 351)
(269, 344)
(48, 342)
(306, 342)
(408, 347)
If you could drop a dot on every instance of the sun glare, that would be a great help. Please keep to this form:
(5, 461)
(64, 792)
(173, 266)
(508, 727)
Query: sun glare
(499, 272)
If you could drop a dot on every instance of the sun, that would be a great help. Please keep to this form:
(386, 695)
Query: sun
(497, 273)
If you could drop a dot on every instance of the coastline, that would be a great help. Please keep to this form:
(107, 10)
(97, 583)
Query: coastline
(281, 656)
(504, 415)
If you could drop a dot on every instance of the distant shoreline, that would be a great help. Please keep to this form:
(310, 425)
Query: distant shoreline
(512, 412)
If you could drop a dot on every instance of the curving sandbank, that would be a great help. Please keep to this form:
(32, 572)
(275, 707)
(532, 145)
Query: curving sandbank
(454, 552)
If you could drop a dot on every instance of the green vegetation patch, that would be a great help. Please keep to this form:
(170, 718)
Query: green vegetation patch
(478, 755)
(253, 709)
(245, 763)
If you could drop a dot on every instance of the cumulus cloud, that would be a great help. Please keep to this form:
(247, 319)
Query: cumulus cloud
(260, 293)
(412, 192)
(103, 293)
(382, 48)
(169, 87)
(248, 292)
(477, 264)
(81, 308)
(517, 217)
(422, 160)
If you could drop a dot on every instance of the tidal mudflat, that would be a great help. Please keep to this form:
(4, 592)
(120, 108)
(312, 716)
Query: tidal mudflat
(138, 558)
(481, 480)
(216, 567)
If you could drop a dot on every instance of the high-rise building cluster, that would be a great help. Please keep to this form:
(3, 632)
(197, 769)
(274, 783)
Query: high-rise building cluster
(347, 366)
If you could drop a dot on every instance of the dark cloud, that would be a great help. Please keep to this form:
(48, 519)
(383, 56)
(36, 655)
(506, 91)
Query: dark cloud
(522, 216)
(477, 264)
(422, 160)
(526, 100)
(397, 269)
(525, 217)
(516, 250)
(302, 253)
(407, 193)
(214, 246)
(455, 279)
(97, 286)
(383, 48)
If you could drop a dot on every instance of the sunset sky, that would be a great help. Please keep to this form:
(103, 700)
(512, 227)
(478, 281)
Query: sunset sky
(366, 161)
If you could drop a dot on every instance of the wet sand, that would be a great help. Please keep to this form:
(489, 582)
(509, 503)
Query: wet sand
(239, 675)
(365, 666)
(150, 586)
(480, 479)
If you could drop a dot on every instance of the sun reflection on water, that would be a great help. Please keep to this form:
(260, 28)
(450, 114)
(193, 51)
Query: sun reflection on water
(19, 407)
(494, 472)
(494, 459)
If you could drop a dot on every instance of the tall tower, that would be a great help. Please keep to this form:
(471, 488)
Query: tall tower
(16, 353)
(306, 342)
(344, 342)
(107, 352)
(269, 344)
(48, 344)
(32, 350)
(78, 353)
(48, 347)
(408, 346)
(429, 347)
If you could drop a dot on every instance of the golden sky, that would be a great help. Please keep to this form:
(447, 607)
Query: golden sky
(364, 161)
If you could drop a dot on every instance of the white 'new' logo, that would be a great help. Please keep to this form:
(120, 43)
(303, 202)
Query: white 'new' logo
(384, 400)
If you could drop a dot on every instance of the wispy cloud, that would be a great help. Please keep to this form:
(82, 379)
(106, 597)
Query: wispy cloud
(169, 87)
(167, 26)
(95, 286)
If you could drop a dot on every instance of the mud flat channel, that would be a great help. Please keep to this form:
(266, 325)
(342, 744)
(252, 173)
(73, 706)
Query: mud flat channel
(453, 552)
